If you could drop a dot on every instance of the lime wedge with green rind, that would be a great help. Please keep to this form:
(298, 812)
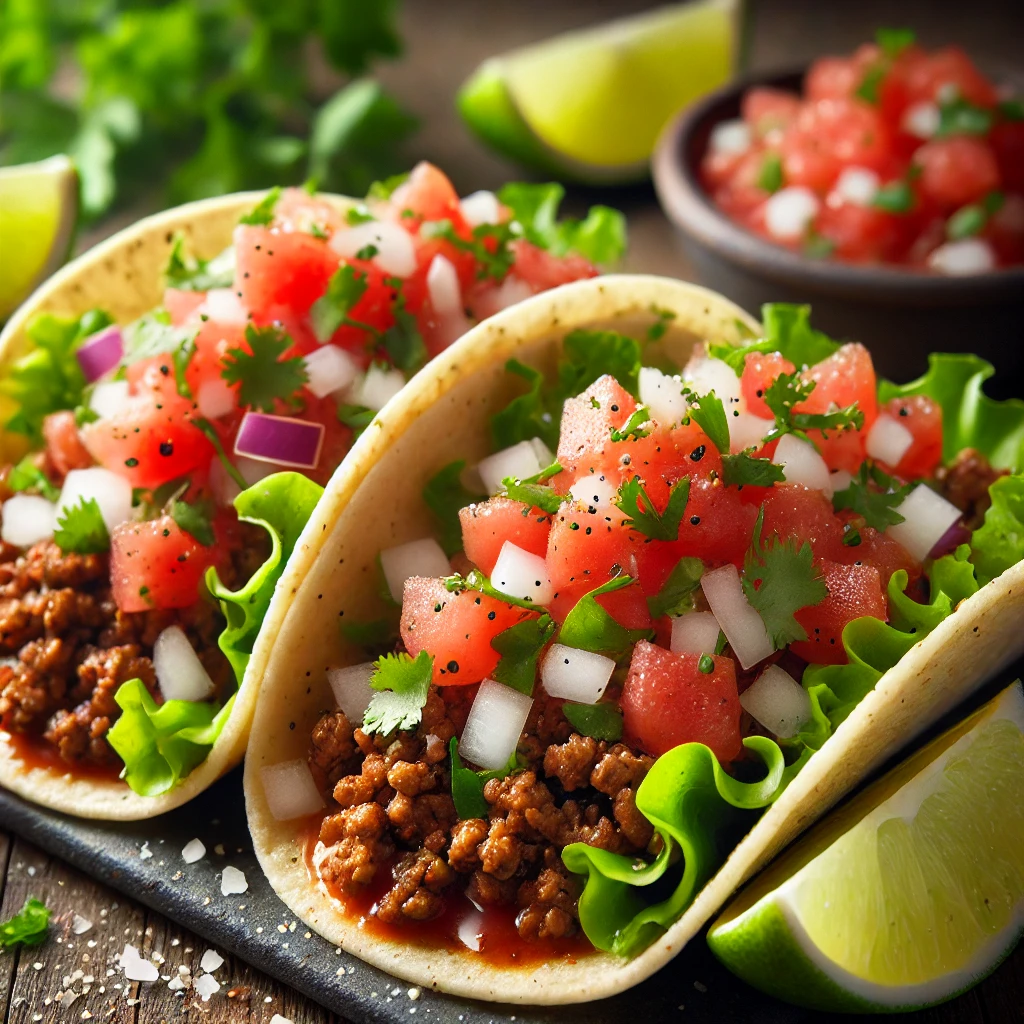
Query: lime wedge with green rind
(905, 897)
(589, 105)
(38, 213)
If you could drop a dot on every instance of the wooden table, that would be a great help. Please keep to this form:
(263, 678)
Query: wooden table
(444, 42)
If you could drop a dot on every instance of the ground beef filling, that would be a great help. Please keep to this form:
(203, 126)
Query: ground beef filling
(393, 795)
(965, 483)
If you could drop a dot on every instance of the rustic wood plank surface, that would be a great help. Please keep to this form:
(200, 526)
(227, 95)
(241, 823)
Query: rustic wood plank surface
(74, 976)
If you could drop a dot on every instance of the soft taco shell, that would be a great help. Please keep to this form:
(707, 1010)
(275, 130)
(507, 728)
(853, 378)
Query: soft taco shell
(374, 502)
(123, 276)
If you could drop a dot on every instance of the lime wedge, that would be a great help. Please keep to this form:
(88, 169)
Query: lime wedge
(38, 211)
(908, 895)
(589, 104)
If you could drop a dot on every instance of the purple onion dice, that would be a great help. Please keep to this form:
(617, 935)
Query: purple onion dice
(100, 352)
(956, 535)
(280, 439)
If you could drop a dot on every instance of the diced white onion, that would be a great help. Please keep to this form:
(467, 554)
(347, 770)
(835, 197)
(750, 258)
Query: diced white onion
(858, 185)
(443, 285)
(28, 519)
(888, 440)
(743, 627)
(922, 120)
(494, 725)
(802, 464)
(778, 702)
(544, 454)
(572, 674)
(789, 212)
(519, 461)
(351, 688)
(449, 327)
(378, 387)
(329, 369)
(841, 479)
(705, 374)
(695, 633)
(417, 558)
(732, 137)
(593, 489)
(179, 671)
(964, 256)
(224, 488)
(110, 398)
(255, 470)
(396, 253)
(215, 398)
(491, 300)
(747, 430)
(224, 306)
(112, 493)
(290, 790)
(663, 396)
(521, 574)
(480, 208)
(927, 516)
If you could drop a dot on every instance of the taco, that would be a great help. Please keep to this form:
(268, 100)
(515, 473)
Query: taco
(172, 402)
(578, 643)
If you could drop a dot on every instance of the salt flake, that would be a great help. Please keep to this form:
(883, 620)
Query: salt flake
(205, 986)
(145, 853)
(80, 925)
(232, 881)
(134, 967)
(211, 961)
(278, 1019)
(192, 851)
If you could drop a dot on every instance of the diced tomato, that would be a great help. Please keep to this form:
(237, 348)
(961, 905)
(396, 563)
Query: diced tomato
(486, 527)
(760, 369)
(627, 606)
(831, 78)
(155, 564)
(767, 110)
(212, 343)
(297, 210)
(542, 270)
(742, 193)
(587, 421)
(957, 170)
(1005, 229)
(1007, 142)
(180, 305)
(586, 548)
(853, 591)
(667, 701)
(861, 234)
(946, 68)
(456, 629)
(878, 550)
(805, 515)
(427, 194)
(63, 444)
(694, 455)
(923, 418)
(337, 436)
(717, 524)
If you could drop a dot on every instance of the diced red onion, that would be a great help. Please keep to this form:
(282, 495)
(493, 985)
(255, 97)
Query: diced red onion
(964, 256)
(100, 352)
(522, 574)
(663, 396)
(27, 519)
(789, 212)
(378, 387)
(396, 253)
(351, 686)
(593, 489)
(743, 627)
(110, 398)
(111, 491)
(224, 306)
(927, 516)
(280, 439)
(572, 674)
(329, 369)
(747, 430)
(802, 464)
(178, 669)
(778, 702)
(522, 460)
(215, 398)
(732, 137)
(290, 790)
(443, 286)
(494, 725)
(888, 440)
(480, 208)
(956, 535)
(704, 374)
(417, 558)
(695, 633)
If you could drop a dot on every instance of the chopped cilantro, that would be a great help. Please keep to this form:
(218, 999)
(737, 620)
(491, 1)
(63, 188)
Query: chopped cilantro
(708, 412)
(676, 595)
(181, 357)
(445, 495)
(786, 392)
(657, 330)
(29, 926)
(318, 232)
(816, 246)
(602, 721)
(770, 176)
(263, 211)
(344, 289)
(589, 627)
(706, 665)
(153, 335)
(27, 476)
(468, 785)
(488, 244)
(213, 437)
(539, 496)
(873, 495)
(643, 517)
(894, 41)
(527, 415)
(780, 578)
(894, 197)
(264, 377)
(357, 417)
(961, 117)
(195, 519)
(358, 214)
(402, 683)
(967, 221)
(191, 274)
(871, 83)
(588, 355)
(745, 469)
(367, 252)
(403, 342)
(382, 190)
(635, 426)
(520, 646)
(476, 580)
(81, 529)
(1011, 110)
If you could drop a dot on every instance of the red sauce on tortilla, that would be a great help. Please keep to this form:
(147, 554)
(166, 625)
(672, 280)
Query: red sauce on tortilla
(36, 753)
(490, 932)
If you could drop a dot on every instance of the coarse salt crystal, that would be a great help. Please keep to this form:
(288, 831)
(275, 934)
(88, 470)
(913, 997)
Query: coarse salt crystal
(205, 986)
(414, 993)
(80, 925)
(192, 851)
(176, 984)
(145, 853)
(134, 967)
(232, 881)
(278, 1019)
(211, 961)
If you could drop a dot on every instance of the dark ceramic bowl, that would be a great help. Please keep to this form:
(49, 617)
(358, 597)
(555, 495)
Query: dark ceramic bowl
(900, 314)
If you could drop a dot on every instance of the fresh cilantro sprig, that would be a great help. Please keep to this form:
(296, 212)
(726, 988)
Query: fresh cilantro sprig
(541, 496)
(676, 594)
(589, 627)
(196, 519)
(642, 515)
(476, 580)
(488, 244)
(402, 342)
(603, 721)
(29, 926)
(263, 212)
(264, 378)
(27, 476)
(81, 529)
(468, 785)
(635, 427)
(154, 335)
(402, 684)
(708, 412)
(520, 646)
(446, 495)
(788, 391)
(346, 287)
(743, 469)
(874, 496)
(190, 274)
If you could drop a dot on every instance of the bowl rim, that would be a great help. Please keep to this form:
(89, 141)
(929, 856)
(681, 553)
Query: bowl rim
(689, 207)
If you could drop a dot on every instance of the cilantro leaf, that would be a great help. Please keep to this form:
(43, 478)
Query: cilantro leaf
(961, 117)
(539, 496)
(27, 476)
(788, 391)
(445, 495)
(520, 646)
(603, 721)
(468, 785)
(488, 244)
(874, 496)
(894, 197)
(779, 579)
(787, 329)
(708, 412)
(588, 355)
(527, 415)
(589, 627)
(81, 529)
(871, 83)
(195, 519)
(676, 595)
(382, 190)
(154, 335)
(894, 41)
(770, 176)
(476, 580)
(191, 274)
(263, 212)
(264, 377)
(402, 683)
(657, 330)
(403, 342)
(634, 426)
(344, 289)
(29, 926)
(358, 417)
(636, 503)
(743, 468)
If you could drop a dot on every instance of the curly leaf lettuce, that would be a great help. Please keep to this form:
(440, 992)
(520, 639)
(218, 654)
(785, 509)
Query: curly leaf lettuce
(999, 542)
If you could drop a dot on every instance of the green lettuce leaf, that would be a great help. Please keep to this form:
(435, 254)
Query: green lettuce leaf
(999, 542)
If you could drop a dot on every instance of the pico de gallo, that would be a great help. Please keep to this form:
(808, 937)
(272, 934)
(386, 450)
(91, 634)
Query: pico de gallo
(894, 154)
(659, 580)
(165, 449)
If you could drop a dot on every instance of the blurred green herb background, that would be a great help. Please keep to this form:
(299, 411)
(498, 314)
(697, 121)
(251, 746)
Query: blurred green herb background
(200, 97)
